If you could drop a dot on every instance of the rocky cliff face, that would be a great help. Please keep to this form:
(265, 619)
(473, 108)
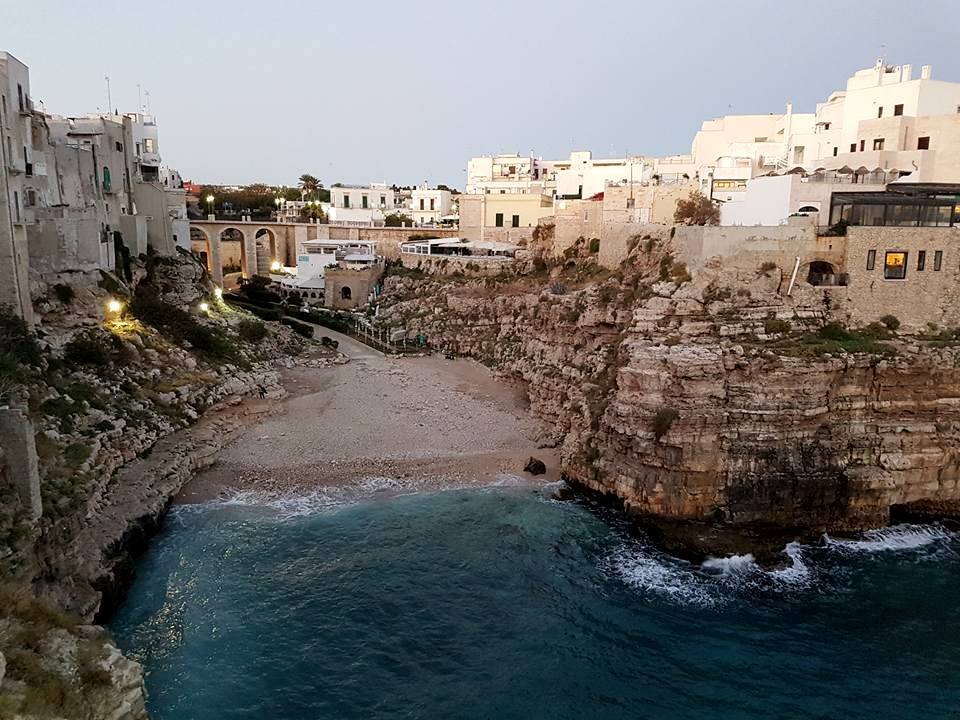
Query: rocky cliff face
(125, 408)
(714, 399)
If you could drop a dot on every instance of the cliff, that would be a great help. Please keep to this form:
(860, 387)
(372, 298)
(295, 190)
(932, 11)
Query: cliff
(714, 405)
(125, 405)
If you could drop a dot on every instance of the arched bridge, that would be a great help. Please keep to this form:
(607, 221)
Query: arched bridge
(263, 243)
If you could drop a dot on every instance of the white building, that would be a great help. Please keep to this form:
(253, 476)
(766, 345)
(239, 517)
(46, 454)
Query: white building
(16, 163)
(430, 205)
(885, 126)
(315, 257)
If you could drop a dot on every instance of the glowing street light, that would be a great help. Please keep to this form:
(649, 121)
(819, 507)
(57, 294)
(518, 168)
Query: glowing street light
(210, 204)
(204, 307)
(276, 266)
(114, 306)
(218, 293)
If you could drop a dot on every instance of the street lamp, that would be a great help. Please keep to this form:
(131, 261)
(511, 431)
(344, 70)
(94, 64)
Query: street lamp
(209, 204)
(204, 307)
(114, 306)
(277, 202)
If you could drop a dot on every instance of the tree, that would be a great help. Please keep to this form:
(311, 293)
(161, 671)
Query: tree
(698, 209)
(313, 211)
(309, 184)
(397, 220)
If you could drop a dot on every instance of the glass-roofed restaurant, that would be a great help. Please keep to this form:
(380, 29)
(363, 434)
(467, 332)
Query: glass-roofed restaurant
(900, 205)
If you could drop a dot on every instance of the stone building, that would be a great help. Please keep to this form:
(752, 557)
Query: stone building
(79, 192)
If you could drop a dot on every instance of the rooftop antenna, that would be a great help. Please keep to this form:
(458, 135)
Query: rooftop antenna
(139, 99)
(147, 93)
(109, 99)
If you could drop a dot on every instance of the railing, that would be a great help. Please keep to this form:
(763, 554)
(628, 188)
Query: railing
(378, 339)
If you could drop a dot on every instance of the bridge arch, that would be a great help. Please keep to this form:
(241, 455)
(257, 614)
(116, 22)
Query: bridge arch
(248, 258)
(268, 249)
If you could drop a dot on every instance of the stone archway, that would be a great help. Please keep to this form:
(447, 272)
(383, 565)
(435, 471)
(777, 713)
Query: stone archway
(267, 249)
(203, 245)
(821, 272)
(247, 252)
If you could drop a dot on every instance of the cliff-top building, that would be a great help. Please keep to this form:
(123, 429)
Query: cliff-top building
(78, 191)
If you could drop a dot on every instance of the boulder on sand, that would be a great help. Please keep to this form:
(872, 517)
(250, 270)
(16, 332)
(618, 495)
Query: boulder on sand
(535, 466)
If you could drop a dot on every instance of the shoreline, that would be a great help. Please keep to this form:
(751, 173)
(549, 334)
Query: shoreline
(417, 423)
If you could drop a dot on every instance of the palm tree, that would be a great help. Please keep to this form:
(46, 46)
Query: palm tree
(309, 184)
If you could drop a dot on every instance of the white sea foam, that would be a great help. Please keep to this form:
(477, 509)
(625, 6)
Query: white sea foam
(798, 573)
(895, 538)
(651, 572)
(731, 565)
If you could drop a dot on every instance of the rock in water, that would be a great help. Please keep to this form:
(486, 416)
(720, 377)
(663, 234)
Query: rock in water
(563, 492)
(535, 466)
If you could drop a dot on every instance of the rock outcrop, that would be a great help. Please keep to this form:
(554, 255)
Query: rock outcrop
(709, 399)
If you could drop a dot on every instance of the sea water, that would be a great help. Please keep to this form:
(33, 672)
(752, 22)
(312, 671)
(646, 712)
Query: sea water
(500, 603)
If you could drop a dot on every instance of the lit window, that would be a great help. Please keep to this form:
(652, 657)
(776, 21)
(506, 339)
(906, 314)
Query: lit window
(895, 266)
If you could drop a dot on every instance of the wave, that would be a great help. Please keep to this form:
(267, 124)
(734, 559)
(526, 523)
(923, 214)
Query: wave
(891, 539)
(301, 503)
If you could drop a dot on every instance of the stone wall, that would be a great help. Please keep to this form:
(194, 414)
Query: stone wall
(20, 457)
(449, 264)
(923, 296)
(360, 284)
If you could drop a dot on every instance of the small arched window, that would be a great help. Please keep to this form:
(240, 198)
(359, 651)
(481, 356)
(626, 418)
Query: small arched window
(345, 293)
(808, 209)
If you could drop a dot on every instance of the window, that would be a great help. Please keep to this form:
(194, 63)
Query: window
(383, 201)
(878, 144)
(119, 146)
(29, 198)
(798, 155)
(20, 95)
(515, 221)
(835, 151)
(895, 266)
(871, 259)
(363, 201)
(923, 143)
(346, 293)
(138, 148)
(16, 206)
(148, 145)
(880, 111)
(938, 260)
(863, 144)
(921, 260)
(431, 203)
(3, 106)
(760, 139)
(346, 201)
(898, 109)
(853, 147)
(499, 220)
(421, 204)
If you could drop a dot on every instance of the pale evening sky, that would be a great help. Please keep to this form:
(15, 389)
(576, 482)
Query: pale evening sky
(407, 91)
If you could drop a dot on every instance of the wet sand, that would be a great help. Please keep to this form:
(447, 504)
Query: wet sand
(411, 423)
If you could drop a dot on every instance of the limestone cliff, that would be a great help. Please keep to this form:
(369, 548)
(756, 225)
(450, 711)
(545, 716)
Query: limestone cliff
(126, 406)
(708, 398)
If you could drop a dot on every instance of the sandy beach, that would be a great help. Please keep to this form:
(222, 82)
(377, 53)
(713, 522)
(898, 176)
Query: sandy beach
(407, 423)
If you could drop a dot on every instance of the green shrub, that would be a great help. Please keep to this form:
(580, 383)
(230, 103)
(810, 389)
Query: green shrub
(88, 348)
(663, 421)
(877, 331)
(211, 342)
(835, 331)
(76, 454)
(252, 331)
(64, 293)
(773, 326)
(16, 338)
(891, 321)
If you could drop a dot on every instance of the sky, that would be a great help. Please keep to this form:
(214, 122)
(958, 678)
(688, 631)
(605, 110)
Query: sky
(406, 92)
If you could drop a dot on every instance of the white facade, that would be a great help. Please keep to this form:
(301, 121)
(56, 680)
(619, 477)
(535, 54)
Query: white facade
(365, 197)
(428, 206)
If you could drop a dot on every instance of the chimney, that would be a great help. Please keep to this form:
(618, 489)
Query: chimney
(925, 71)
(906, 73)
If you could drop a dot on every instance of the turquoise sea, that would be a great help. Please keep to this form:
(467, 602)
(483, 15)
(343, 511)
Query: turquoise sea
(500, 603)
